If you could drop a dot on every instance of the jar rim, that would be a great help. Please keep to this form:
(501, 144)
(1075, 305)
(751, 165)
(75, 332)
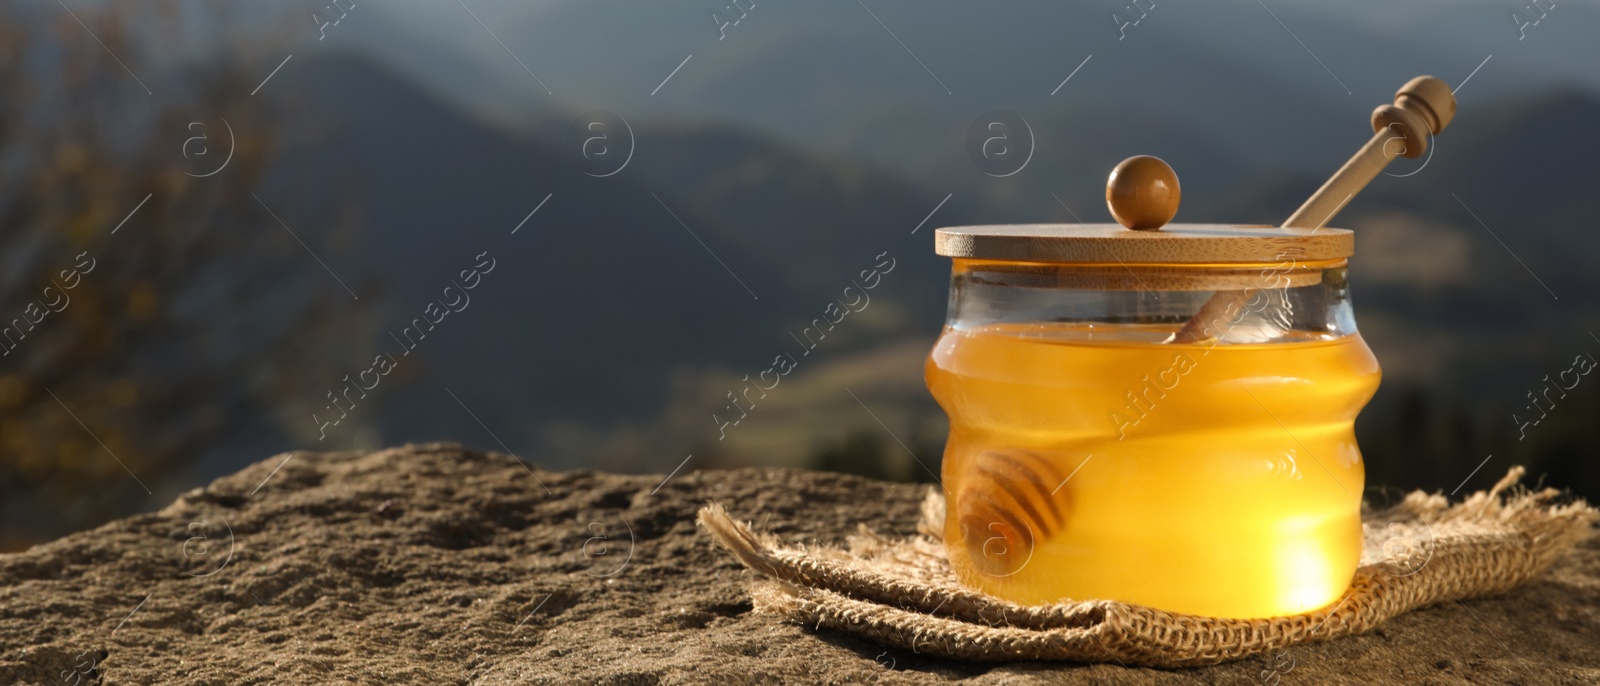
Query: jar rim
(1287, 273)
(1173, 244)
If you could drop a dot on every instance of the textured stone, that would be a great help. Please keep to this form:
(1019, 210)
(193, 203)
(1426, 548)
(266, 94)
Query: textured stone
(433, 564)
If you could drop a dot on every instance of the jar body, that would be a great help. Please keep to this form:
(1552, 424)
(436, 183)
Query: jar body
(1092, 456)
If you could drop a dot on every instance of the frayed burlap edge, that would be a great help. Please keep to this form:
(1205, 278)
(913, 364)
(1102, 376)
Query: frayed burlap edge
(902, 593)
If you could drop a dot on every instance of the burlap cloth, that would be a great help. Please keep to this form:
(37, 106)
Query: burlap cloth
(902, 592)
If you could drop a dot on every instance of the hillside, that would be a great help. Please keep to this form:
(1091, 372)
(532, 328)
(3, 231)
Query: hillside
(623, 333)
(602, 297)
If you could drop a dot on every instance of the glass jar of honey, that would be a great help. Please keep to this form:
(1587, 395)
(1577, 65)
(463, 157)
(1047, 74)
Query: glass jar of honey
(1157, 415)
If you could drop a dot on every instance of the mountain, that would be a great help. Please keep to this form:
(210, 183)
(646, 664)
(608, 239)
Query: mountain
(770, 165)
(610, 333)
(603, 296)
(887, 80)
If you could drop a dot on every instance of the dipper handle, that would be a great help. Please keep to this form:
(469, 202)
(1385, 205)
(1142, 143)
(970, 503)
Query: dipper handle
(1422, 108)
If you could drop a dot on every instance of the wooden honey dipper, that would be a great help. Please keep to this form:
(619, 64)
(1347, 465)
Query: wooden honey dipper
(1142, 192)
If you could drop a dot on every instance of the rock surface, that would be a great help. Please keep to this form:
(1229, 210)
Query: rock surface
(433, 564)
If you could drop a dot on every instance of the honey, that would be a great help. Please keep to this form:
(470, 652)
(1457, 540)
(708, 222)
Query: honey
(1213, 479)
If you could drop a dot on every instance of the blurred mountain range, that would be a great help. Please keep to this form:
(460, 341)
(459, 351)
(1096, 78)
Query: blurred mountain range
(1273, 81)
(609, 332)
(658, 197)
(773, 159)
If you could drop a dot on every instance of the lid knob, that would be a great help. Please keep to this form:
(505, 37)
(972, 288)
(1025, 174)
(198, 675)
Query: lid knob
(1143, 193)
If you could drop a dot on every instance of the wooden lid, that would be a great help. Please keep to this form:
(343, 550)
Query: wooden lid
(1171, 244)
